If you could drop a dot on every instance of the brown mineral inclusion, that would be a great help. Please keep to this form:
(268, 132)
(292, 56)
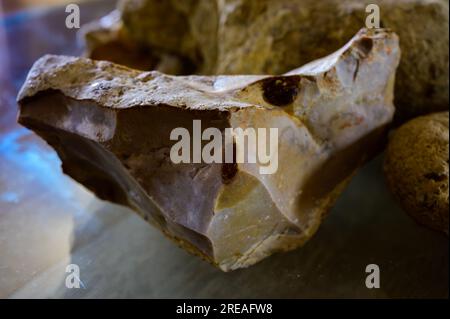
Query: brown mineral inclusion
(111, 127)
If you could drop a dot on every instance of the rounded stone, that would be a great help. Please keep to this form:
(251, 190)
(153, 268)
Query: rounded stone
(416, 169)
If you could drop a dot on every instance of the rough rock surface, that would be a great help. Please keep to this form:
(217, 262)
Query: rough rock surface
(111, 125)
(272, 37)
(416, 169)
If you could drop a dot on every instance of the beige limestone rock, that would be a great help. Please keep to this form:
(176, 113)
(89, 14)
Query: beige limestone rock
(111, 125)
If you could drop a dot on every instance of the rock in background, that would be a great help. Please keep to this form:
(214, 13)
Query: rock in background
(416, 169)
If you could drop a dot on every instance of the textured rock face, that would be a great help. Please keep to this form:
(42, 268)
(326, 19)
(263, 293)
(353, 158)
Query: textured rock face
(111, 126)
(416, 169)
(272, 37)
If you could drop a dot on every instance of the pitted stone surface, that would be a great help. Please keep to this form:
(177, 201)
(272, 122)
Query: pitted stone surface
(111, 126)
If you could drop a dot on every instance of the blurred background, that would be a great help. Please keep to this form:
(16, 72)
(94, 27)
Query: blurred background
(48, 221)
(11, 6)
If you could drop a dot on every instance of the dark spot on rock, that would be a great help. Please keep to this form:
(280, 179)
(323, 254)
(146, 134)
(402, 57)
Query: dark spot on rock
(229, 170)
(436, 177)
(355, 73)
(365, 45)
(280, 91)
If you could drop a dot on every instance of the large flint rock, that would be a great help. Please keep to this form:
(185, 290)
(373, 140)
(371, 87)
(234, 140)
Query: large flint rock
(272, 37)
(111, 126)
